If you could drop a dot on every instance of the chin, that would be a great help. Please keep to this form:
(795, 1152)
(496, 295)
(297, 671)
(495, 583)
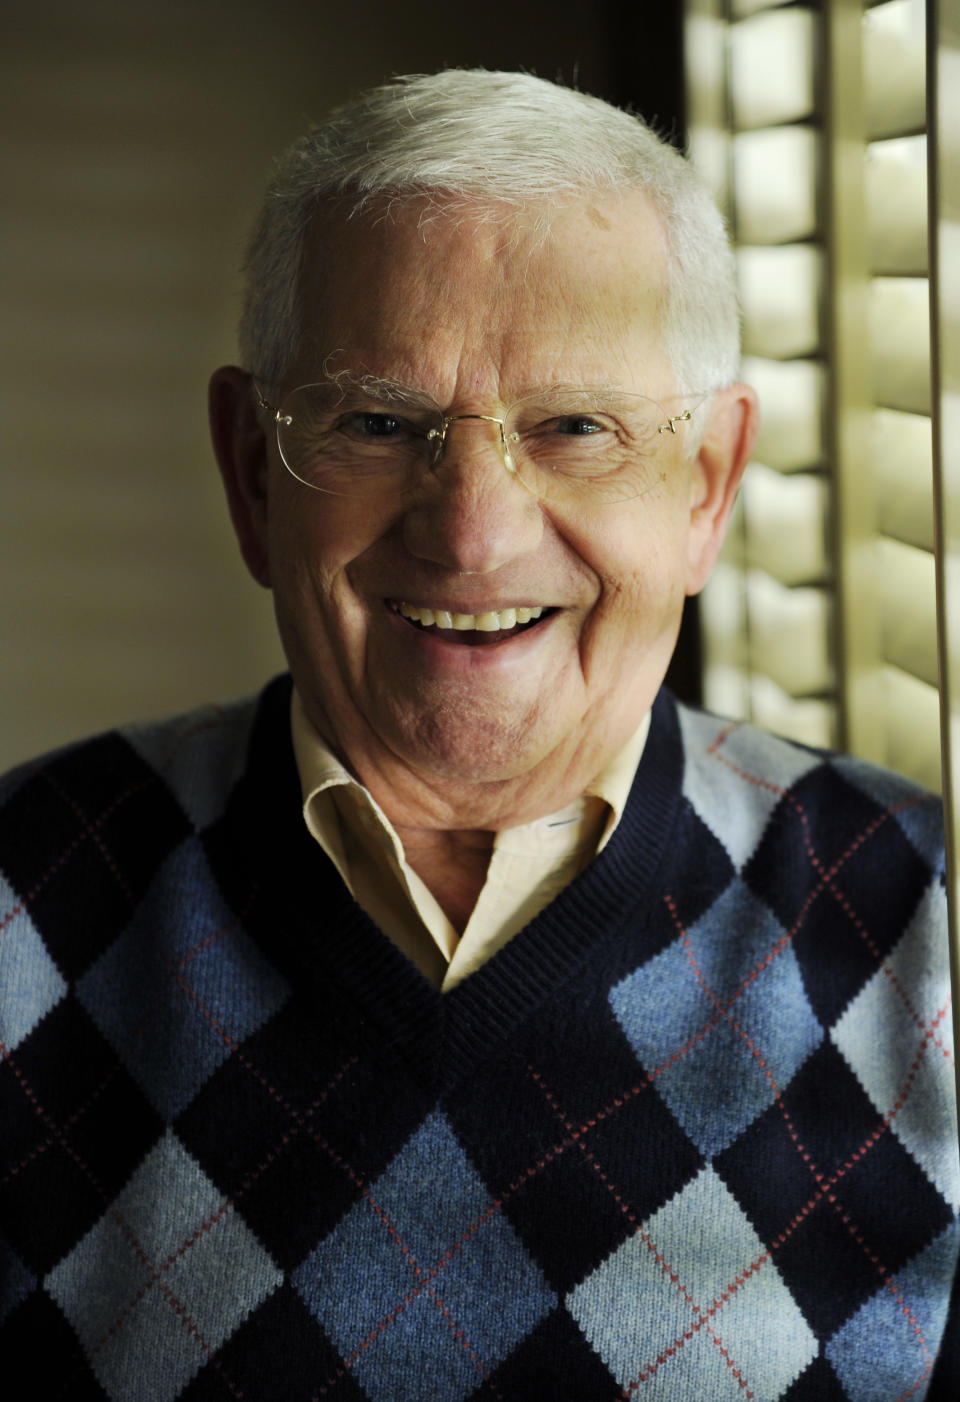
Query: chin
(466, 747)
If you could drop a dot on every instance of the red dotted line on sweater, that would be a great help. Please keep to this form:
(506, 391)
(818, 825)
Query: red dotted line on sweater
(68, 851)
(824, 1193)
(57, 1132)
(704, 1315)
(827, 875)
(199, 1232)
(89, 829)
(425, 1275)
(59, 1136)
(856, 1155)
(719, 1003)
(203, 1228)
(39, 1149)
(462, 1339)
(121, 1223)
(156, 1279)
(380, 1328)
(131, 1041)
(91, 826)
(774, 952)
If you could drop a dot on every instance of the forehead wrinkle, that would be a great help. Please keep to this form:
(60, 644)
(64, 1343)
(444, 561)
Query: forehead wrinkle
(532, 310)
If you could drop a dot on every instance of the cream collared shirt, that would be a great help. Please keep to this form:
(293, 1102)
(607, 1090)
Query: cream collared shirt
(528, 866)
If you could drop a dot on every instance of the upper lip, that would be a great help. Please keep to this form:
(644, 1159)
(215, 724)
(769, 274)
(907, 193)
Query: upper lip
(484, 606)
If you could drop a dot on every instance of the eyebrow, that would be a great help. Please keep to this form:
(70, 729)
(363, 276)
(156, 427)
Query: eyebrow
(396, 392)
(386, 390)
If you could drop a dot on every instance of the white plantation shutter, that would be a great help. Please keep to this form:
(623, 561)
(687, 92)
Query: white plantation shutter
(808, 121)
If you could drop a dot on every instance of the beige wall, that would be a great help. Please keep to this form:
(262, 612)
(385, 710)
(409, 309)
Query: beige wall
(134, 141)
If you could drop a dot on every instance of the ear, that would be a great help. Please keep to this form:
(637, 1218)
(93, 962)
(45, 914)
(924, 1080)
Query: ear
(725, 450)
(241, 452)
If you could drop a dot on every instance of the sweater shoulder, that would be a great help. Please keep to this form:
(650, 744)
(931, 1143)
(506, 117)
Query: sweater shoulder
(196, 756)
(738, 777)
(199, 755)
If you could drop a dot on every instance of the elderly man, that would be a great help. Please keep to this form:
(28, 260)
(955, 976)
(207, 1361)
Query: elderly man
(464, 1017)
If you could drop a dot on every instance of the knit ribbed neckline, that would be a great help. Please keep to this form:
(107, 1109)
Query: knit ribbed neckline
(325, 935)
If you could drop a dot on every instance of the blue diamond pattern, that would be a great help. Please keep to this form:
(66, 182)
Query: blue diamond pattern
(424, 1286)
(695, 1314)
(152, 1293)
(31, 981)
(198, 985)
(883, 1350)
(731, 1062)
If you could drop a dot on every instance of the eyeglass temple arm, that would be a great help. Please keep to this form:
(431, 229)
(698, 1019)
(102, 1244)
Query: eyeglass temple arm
(263, 403)
(671, 425)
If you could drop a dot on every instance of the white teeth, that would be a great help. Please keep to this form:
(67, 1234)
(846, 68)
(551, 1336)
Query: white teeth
(493, 621)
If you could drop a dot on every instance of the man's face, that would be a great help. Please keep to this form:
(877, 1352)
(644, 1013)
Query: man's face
(478, 315)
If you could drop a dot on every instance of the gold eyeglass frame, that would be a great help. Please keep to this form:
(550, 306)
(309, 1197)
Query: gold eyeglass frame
(438, 436)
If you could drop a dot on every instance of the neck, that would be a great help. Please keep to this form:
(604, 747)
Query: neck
(452, 865)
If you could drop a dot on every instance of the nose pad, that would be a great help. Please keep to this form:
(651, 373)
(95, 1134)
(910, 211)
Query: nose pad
(439, 437)
(471, 520)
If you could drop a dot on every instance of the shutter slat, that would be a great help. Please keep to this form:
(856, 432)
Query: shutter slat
(771, 68)
(810, 720)
(791, 393)
(902, 451)
(780, 297)
(774, 185)
(785, 525)
(789, 635)
(908, 609)
(896, 190)
(913, 727)
(893, 69)
(900, 343)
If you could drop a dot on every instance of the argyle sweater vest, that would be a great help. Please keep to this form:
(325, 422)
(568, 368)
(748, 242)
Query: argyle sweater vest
(689, 1136)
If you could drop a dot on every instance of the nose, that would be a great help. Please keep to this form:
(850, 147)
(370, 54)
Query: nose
(472, 514)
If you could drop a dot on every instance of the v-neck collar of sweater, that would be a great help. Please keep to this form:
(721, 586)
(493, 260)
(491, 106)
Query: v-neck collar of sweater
(306, 919)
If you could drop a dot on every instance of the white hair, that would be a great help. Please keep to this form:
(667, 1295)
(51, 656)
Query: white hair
(510, 140)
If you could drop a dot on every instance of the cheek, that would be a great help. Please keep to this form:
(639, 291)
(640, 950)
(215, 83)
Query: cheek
(311, 550)
(315, 538)
(640, 559)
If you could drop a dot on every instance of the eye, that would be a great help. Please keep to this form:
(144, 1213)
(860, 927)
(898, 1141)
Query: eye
(579, 425)
(371, 425)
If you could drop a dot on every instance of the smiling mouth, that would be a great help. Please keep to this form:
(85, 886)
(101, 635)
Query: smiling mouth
(475, 629)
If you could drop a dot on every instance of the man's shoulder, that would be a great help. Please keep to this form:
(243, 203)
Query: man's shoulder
(740, 779)
(193, 758)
